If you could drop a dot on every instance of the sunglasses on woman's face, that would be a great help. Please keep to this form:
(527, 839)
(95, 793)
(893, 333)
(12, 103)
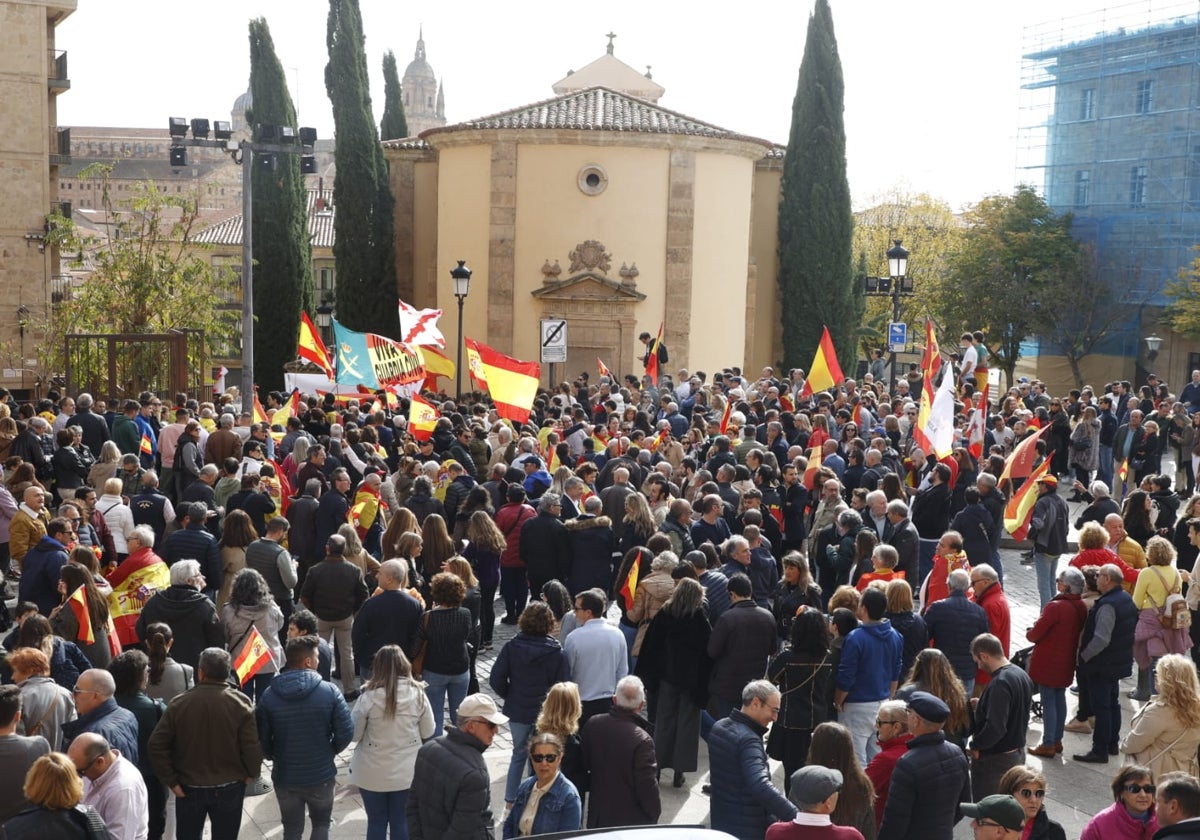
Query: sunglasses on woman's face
(1136, 789)
(1026, 793)
(538, 758)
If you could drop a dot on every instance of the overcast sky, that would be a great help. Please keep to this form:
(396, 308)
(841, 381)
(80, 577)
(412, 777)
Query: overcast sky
(933, 99)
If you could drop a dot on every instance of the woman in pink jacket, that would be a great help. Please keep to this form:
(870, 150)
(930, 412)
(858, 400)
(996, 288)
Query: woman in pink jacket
(1131, 816)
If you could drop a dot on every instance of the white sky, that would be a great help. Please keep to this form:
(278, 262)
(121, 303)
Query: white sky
(932, 86)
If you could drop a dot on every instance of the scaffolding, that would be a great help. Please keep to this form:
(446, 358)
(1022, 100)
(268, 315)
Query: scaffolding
(1110, 131)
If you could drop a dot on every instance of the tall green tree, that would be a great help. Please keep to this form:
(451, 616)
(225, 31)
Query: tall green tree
(363, 247)
(394, 125)
(283, 282)
(816, 224)
(1015, 269)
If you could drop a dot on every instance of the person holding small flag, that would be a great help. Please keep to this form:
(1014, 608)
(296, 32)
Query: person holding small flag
(83, 616)
(253, 625)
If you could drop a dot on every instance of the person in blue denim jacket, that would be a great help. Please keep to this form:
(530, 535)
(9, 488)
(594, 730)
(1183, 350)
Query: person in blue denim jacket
(547, 801)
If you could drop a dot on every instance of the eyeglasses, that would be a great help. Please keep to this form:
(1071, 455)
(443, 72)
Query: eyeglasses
(879, 722)
(538, 758)
(92, 691)
(1135, 789)
(986, 824)
(82, 771)
(976, 580)
(1026, 793)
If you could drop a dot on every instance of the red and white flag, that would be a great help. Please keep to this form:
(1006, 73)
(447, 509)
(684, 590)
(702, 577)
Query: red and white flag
(419, 326)
(977, 428)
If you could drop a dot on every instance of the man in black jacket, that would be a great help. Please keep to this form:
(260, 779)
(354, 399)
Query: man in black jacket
(334, 589)
(742, 641)
(907, 542)
(1106, 658)
(393, 617)
(618, 750)
(193, 542)
(545, 547)
(1001, 717)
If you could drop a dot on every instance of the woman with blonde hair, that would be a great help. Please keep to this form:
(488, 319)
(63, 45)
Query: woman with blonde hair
(485, 542)
(359, 556)
(106, 466)
(1157, 591)
(401, 521)
(639, 524)
(117, 515)
(54, 788)
(559, 716)
(1165, 734)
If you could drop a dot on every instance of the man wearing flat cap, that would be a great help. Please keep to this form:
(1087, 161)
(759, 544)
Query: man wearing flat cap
(930, 780)
(995, 817)
(814, 790)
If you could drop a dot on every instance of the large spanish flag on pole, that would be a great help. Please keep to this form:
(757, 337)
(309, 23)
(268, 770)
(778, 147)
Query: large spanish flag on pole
(436, 364)
(1020, 463)
(312, 348)
(512, 383)
(652, 359)
(825, 372)
(1019, 509)
(931, 362)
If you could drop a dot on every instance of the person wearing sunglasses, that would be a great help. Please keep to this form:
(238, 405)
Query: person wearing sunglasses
(547, 801)
(1131, 816)
(1028, 787)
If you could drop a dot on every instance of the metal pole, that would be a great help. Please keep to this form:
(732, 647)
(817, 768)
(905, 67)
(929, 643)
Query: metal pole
(247, 277)
(895, 319)
(461, 341)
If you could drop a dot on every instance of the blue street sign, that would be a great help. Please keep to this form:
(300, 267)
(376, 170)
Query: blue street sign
(897, 337)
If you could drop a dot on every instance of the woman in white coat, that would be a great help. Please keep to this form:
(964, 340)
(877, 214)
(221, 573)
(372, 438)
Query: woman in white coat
(391, 719)
(117, 515)
(1165, 734)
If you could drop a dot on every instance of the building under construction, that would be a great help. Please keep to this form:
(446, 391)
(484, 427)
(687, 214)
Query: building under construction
(1110, 131)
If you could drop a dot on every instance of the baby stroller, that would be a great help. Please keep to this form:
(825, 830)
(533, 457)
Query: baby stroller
(1021, 660)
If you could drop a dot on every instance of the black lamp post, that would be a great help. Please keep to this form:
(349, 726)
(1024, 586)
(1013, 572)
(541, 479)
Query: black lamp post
(461, 276)
(325, 320)
(895, 285)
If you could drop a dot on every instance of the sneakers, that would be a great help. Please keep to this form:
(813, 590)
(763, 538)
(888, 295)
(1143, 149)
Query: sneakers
(1081, 727)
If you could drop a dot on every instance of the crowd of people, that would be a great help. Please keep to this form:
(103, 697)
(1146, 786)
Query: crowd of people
(722, 560)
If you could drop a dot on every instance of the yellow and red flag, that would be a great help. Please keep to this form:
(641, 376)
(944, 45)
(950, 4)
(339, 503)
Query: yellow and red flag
(135, 582)
(311, 348)
(629, 588)
(254, 656)
(291, 408)
(512, 383)
(809, 479)
(1123, 471)
(652, 361)
(147, 445)
(475, 364)
(931, 363)
(603, 368)
(436, 364)
(260, 414)
(1019, 509)
(79, 608)
(1020, 463)
(422, 419)
(825, 372)
(725, 414)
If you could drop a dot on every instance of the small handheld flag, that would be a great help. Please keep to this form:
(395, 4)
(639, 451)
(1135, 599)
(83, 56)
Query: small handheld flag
(603, 368)
(79, 608)
(253, 658)
(147, 445)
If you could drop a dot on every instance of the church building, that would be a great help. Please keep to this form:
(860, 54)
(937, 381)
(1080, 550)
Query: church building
(599, 206)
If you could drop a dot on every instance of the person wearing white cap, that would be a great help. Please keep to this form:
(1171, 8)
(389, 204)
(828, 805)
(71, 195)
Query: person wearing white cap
(450, 797)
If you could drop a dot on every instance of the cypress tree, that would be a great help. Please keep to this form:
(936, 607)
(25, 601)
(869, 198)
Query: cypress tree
(363, 247)
(283, 284)
(816, 224)
(394, 125)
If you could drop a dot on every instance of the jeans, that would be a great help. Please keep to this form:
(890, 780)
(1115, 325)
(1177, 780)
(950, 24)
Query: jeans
(340, 630)
(630, 633)
(256, 685)
(999, 568)
(1054, 714)
(436, 688)
(1105, 471)
(1047, 567)
(514, 589)
(487, 613)
(292, 801)
(222, 805)
(385, 810)
(859, 718)
(1106, 706)
(520, 759)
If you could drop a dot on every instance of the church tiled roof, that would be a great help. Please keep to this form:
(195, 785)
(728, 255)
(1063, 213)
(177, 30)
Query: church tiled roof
(598, 109)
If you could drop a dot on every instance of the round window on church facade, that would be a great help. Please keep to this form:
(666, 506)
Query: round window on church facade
(593, 180)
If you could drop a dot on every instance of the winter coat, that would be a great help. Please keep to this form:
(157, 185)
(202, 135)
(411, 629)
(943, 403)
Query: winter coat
(681, 538)
(881, 767)
(191, 617)
(524, 671)
(45, 707)
(39, 574)
(788, 600)
(975, 524)
(1055, 636)
(78, 823)
(1158, 739)
(652, 592)
(1049, 523)
(66, 626)
(913, 631)
(546, 550)
(451, 790)
(1045, 828)
(119, 518)
(559, 809)
(392, 617)
(675, 650)
(618, 751)
(907, 542)
(422, 505)
(303, 723)
(387, 747)
(744, 801)
(931, 511)
(196, 543)
(1115, 823)
(928, 783)
(267, 617)
(806, 686)
(742, 641)
(118, 726)
(1088, 458)
(591, 547)
(511, 520)
(953, 622)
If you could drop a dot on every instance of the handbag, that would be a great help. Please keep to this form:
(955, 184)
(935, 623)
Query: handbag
(1081, 444)
(1174, 613)
(418, 663)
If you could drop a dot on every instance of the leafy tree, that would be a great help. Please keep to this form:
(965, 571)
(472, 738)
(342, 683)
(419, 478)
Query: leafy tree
(283, 283)
(1183, 312)
(815, 221)
(1014, 269)
(394, 125)
(148, 276)
(363, 246)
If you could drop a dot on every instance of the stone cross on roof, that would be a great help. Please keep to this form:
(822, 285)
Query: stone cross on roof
(610, 36)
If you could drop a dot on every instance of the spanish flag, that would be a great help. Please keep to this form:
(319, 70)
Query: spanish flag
(629, 588)
(825, 372)
(1020, 463)
(1019, 509)
(931, 362)
(475, 365)
(254, 656)
(290, 409)
(603, 368)
(652, 360)
(809, 479)
(147, 446)
(1123, 471)
(725, 415)
(79, 608)
(311, 347)
(436, 364)
(260, 414)
(977, 428)
(512, 383)
(422, 418)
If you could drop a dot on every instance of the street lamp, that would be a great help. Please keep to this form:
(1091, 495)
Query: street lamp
(1153, 342)
(461, 277)
(325, 319)
(895, 285)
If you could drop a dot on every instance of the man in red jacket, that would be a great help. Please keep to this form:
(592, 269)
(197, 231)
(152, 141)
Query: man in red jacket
(891, 726)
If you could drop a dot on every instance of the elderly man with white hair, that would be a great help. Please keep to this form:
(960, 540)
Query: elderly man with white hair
(619, 750)
(184, 608)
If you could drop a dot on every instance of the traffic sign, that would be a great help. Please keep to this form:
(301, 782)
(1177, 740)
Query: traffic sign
(897, 337)
(554, 340)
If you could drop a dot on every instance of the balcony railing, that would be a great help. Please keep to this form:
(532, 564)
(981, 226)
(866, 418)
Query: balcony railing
(61, 156)
(56, 78)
